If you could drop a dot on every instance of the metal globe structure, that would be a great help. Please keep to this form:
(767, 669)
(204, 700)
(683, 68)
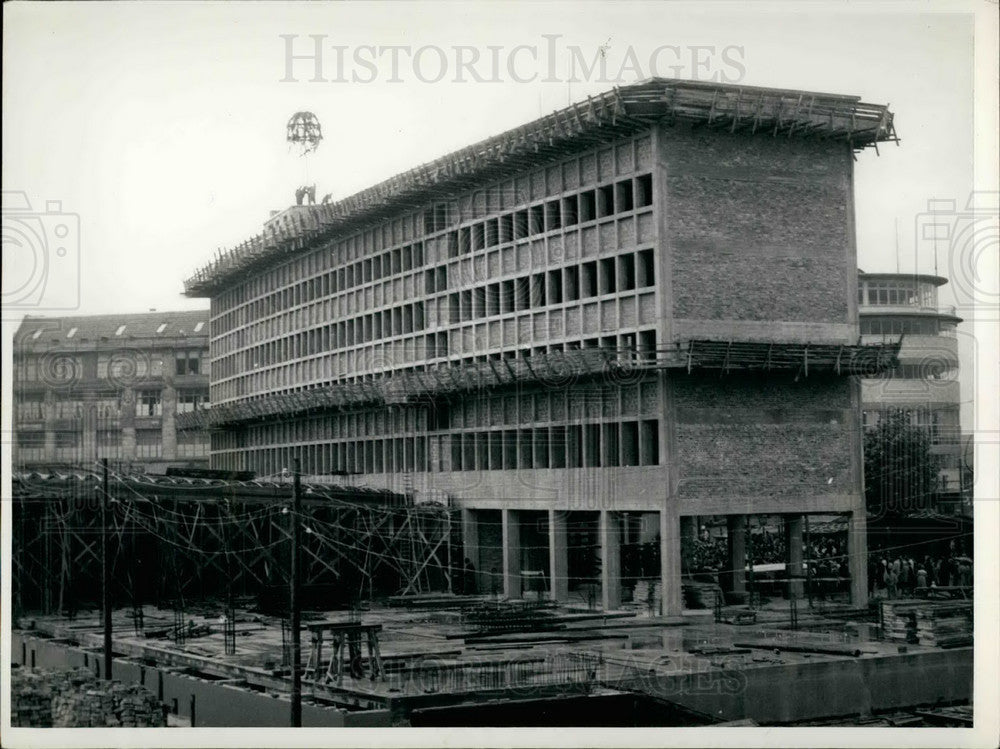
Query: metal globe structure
(304, 133)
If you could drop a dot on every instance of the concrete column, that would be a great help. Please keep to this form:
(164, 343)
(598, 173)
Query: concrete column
(857, 525)
(737, 525)
(511, 554)
(558, 558)
(793, 541)
(857, 557)
(470, 545)
(670, 564)
(611, 560)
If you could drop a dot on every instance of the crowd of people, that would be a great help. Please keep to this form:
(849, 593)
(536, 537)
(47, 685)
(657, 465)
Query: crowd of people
(900, 576)
(708, 554)
(827, 569)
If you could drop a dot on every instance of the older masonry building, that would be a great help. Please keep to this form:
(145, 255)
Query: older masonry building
(579, 332)
(110, 386)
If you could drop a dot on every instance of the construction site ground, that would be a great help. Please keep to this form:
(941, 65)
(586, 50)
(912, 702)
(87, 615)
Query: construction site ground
(829, 666)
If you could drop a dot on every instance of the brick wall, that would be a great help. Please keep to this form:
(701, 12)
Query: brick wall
(759, 228)
(740, 436)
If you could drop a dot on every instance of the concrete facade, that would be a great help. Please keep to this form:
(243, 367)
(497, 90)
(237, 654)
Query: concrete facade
(635, 244)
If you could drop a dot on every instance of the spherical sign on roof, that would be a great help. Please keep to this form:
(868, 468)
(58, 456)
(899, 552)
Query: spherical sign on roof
(304, 132)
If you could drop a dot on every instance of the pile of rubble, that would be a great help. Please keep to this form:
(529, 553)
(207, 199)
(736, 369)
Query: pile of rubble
(72, 699)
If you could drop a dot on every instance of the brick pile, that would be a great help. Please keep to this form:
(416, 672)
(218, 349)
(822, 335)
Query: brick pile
(42, 699)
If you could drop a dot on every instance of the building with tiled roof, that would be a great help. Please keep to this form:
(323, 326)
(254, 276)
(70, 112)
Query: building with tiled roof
(110, 386)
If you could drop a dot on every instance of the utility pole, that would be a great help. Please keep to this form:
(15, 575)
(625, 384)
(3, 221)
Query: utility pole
(105, 571)
(294, 613)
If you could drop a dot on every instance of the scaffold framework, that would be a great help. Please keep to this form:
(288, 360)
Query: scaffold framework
(556, 369)
(207, 540)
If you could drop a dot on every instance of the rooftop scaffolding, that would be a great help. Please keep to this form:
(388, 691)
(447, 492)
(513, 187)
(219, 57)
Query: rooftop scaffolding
(615, 114)
(556, 369)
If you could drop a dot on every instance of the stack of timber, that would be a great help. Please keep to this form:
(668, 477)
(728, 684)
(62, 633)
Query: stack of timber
(509, 616)
(899, 620)
(647, 595)
(944, 624)
(432, 600)
(700, 595)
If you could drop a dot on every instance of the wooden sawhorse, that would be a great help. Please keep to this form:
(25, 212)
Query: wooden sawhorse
(347, 635)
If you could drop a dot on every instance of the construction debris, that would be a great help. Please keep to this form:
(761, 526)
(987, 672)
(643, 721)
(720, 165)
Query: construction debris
(74, 699)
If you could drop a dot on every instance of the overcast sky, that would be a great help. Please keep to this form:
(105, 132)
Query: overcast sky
(163, 126)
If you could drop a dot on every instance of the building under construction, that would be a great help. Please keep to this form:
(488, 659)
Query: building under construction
(580, 333)
(522, 373)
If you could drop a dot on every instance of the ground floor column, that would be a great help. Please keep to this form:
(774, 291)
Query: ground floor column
(558, 557)
(670, 564)
(857, 557)
(611, 566)
(511, 554)
(793, 543)
(737, 526)
(470, 546)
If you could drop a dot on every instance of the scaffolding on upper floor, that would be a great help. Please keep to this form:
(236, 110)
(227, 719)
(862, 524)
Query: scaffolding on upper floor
(554, 369)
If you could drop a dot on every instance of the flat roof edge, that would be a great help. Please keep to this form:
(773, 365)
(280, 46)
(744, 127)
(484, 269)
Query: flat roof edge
(617, 113)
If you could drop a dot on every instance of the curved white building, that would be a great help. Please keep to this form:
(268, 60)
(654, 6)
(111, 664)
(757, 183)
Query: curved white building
(904, 306)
